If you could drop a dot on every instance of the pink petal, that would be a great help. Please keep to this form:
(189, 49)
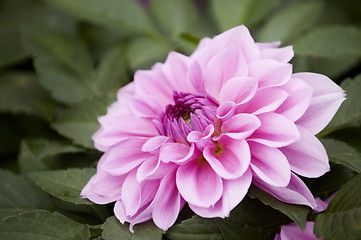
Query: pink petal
(240, 126)
(265, 100)
(103, 188)
(145, 106)
(326, 99)
(176, 152)
(270, 165)
(195, 77)
(293, 232)
(270, 73)
(272, 51)
(238, 89)
(275, 131)
(153, 82)
(296, 192)
(175, 70)
(233, 193)
(307, 156)
(199, 184)
(153, 168)
(167, 203)
(232, 160)
(131, 194)
(222, 67)
(298, 101)
(226, 110)
(154, 143)
(124, 156)
(238, 37)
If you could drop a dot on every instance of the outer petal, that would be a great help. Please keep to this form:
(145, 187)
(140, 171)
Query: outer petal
(198, 184)
(124, 156)
(233, 193)
(103, 188)
(296, 192)
(240, 126)
(222, 67)
(270, 73)
(265, 100)
(326, 99)
(275, 131)
(176, 152)
(272, 51)
(270, 165)
(299, 99)
(293, 232)
(232, 160)
(238, 90)
(307, 156)
(167, 202)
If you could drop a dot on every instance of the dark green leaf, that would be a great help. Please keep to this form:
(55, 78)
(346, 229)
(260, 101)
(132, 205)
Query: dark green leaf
(297, 213)
(342, 219)
(21, 93)
(64, 84)
(109, 75)
(235, 232)
(12, 50)
(126, 16)
(17, 195)
(42, 225)
(341, 153)
(62, 47)
(258, 10)
(79, 122)
(144, 52)
(174, 16)
(113, 229)
(196, 228)
(349, 114)
(34, 152)
(290, 21)
(64, 184)
(330, 41)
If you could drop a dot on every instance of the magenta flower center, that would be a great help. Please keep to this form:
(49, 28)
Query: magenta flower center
(190, 112)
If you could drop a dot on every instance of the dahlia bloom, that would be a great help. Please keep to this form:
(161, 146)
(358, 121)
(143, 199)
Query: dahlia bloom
(201, 129)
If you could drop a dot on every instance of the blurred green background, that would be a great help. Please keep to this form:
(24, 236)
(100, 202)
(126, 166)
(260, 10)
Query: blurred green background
(62, 62)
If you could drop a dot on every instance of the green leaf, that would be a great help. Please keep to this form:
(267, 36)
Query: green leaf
(79, 122)
(330, 41)
(64, 184)
(229, 13)
(62, 47)
(196, 228)
(126, 16)
(173, 16)
(12, 50)
(109, 75)
(34, 153)
(349, 114)
(235, 232)
(17, 195)
(235, 12)
(113, 229)
(21, 93)
(297, 213)
(341, 153)
(342, 219)
(64, 83)
(144, 52)
(290, 21)
(42, 225)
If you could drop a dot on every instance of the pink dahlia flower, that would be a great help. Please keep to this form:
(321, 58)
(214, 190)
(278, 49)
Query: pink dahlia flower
(201, 129)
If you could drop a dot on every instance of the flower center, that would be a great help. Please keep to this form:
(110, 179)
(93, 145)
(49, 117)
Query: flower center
(189, 112)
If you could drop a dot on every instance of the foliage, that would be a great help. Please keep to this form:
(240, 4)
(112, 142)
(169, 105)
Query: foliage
(62, 62)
